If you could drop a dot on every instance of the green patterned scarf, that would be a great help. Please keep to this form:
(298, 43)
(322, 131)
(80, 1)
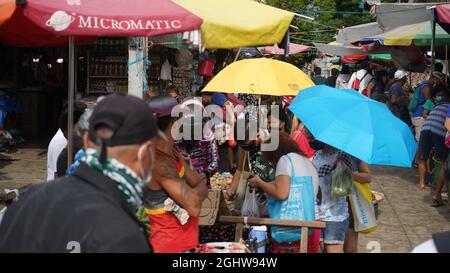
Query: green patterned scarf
(128, 182)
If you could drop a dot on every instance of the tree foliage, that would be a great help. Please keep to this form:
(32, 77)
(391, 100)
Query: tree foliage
(329, 16)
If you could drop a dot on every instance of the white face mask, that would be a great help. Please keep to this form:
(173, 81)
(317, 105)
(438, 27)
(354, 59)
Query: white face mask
(146, 177)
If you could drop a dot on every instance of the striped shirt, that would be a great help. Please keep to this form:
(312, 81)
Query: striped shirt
(436, 119)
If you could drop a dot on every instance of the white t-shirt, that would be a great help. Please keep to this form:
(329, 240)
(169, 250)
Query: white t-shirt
(302, 167)
(426, 247)
(57, 144)
(364, 82)
(342, 81)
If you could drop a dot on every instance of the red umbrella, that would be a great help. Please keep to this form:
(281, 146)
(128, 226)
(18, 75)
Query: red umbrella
(51, 22)
(443, 16)
(293, 49)
(47, 22)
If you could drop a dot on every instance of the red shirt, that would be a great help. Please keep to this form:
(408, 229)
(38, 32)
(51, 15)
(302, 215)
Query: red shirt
(167, 234)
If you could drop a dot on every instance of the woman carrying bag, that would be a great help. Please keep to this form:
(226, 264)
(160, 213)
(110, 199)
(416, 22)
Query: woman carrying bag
(291, 194)
(361, 177)
(250, 163)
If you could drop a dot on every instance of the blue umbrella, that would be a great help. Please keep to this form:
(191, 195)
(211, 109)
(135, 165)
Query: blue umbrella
(355, 124)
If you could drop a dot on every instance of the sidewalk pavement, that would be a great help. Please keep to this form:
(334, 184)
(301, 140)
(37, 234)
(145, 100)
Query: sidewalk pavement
(406, 217)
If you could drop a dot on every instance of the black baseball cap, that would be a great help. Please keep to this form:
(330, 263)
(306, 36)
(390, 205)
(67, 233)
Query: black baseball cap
(130, 119)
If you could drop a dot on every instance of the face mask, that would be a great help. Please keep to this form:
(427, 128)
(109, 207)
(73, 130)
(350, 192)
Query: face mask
(439, 98)
(316, 145)
(146, 178)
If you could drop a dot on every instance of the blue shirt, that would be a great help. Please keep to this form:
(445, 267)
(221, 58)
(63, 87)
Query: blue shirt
(219, 99)
(421, 102)
(395, 89)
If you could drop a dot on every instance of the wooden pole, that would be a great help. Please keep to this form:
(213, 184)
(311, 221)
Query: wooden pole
(70, 98)
(446, 64)
(433, 39)
(271, 222)
(237, 55)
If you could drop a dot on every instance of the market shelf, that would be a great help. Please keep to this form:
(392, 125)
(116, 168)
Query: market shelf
(109, 77)
(100, 92)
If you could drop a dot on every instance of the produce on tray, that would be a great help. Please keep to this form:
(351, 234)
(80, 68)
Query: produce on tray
(221, 181)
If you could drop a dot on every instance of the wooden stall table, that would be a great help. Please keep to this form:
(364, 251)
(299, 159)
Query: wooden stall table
(303, 225)
(214, 210)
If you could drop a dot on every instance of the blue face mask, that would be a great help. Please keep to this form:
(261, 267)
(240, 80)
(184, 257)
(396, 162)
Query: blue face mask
(440, 98)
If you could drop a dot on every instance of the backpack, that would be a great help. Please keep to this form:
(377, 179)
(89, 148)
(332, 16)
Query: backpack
(414, 102)
(356, 84)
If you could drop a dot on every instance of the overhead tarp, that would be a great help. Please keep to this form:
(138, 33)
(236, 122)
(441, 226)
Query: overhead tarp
(443, 16)
(418, 34)
(356, 33)
(338, 49)
(394, 15)
(238, 23)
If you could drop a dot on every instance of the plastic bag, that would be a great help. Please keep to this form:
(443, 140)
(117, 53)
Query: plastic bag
(362, 207)
(166, 71)
(242, 188)
(341, 180)
(250, 207)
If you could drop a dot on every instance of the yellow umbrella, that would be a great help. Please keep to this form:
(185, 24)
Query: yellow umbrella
(238, 23)
(260, 76)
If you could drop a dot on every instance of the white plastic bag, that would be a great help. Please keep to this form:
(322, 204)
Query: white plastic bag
(166, 71)
(250, 208)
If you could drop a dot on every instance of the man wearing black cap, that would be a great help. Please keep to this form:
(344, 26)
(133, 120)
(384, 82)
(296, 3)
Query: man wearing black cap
(92, 210)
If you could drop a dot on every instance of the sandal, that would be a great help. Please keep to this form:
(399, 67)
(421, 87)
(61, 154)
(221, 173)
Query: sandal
(437, 203)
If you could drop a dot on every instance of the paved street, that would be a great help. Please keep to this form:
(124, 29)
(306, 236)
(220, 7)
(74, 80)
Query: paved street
(406, 217)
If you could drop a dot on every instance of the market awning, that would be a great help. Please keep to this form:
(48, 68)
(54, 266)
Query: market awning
(443, 16)
(7, 8)
(238, 23)
(394, 15)
(418, 34)
(356, 33)
(293, 49)
(380, 57)
(45, 22)
(338, 49)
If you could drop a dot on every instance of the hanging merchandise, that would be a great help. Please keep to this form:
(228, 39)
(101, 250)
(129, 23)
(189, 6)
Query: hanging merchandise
(182, 80)
(206, 67)
(183, 57)
(166, 71)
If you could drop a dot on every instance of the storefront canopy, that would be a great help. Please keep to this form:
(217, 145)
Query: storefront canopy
(46, 22)
(223, 24)
(238, 23)
(443, 16)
